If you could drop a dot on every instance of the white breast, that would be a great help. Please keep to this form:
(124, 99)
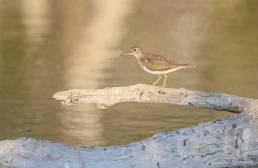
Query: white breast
(162, 72)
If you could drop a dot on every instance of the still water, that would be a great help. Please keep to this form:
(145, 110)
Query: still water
(52, 45)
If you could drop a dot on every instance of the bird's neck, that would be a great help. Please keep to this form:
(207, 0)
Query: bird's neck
(140, 59)
(139, 55)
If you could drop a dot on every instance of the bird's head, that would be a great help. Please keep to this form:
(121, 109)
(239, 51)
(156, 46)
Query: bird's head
(135, 51)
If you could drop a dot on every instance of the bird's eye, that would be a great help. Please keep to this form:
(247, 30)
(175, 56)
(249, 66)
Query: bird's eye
(133, 50)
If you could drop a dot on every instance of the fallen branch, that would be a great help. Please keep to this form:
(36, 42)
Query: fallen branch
(227, 142)
(104, 98)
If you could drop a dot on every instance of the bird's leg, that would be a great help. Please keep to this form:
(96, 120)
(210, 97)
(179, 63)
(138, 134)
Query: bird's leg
(157, 80)
(165, 80)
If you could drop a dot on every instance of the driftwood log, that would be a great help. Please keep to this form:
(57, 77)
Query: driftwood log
(227, 142)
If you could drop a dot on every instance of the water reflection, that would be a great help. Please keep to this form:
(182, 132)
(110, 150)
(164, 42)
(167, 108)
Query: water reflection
(89, 54)
(46, 46)
(35, 18)
(95, 48)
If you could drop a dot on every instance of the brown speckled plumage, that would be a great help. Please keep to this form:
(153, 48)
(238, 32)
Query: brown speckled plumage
(156, 64)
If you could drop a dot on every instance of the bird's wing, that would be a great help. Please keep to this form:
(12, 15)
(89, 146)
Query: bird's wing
(158, 63)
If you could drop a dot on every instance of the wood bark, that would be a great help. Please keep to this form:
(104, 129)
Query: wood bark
(226, 142)
(141, 93)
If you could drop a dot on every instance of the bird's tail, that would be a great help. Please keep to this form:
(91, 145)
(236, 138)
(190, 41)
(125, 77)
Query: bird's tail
(186, 66)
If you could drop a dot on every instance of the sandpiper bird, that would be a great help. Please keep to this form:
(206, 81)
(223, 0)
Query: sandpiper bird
(156, 64)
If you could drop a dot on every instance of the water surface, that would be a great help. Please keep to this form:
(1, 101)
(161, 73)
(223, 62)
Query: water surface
(51, 45)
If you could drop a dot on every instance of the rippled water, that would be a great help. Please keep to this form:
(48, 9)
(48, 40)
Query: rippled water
(51, 45)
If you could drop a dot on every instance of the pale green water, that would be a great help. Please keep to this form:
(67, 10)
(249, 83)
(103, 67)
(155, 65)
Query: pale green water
(48, 46)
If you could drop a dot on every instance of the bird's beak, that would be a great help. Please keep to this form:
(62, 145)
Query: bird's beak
(125, 54)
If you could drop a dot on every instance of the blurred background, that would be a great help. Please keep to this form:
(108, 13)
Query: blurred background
(52, 45)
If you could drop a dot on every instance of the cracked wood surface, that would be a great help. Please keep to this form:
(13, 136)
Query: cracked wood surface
(106, 97)
(231, 141)
(226, 142)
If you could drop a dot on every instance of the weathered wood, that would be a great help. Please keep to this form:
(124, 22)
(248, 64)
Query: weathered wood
(227, 142)
(104, 98)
